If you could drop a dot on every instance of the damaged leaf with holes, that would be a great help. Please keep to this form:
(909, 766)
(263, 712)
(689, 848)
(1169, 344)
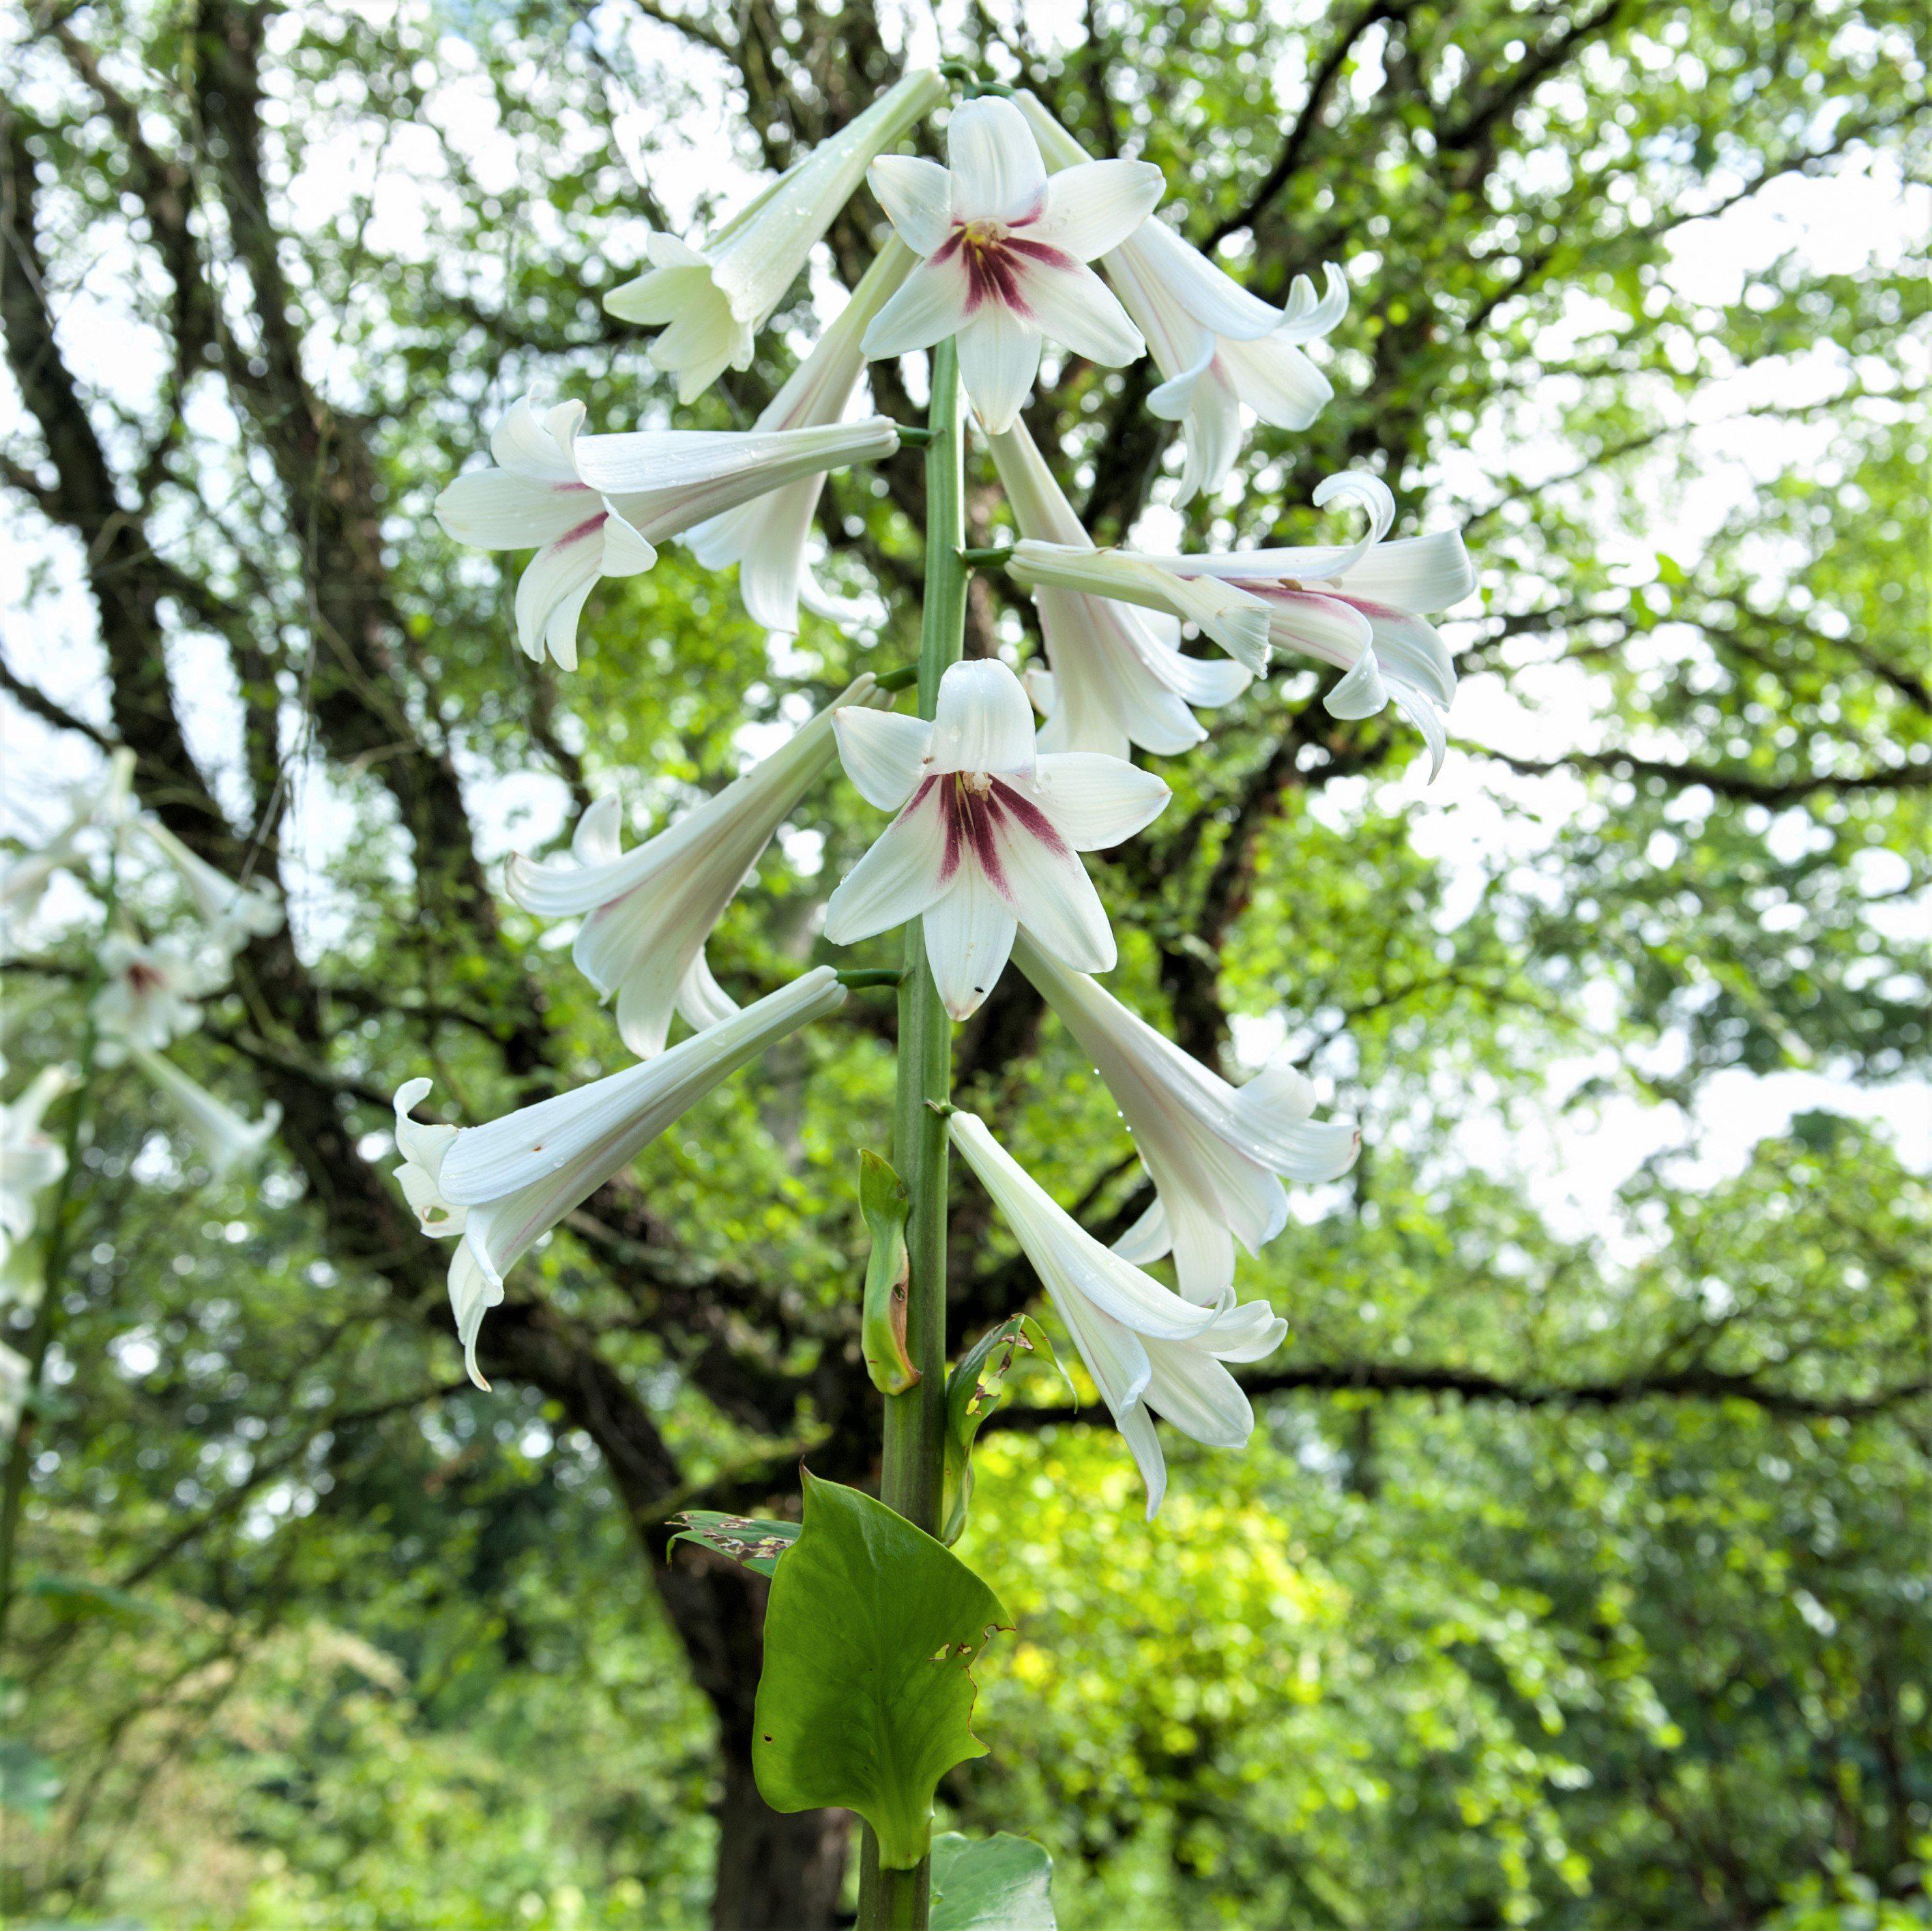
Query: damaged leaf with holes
(866, 1700)
(756, 1541)
(973, 1391)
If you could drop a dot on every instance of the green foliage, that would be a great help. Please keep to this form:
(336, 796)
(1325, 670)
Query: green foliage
(1001, 1883)
(756, 1542)
(973, 1391)
(867, 1696)
(884, 1201)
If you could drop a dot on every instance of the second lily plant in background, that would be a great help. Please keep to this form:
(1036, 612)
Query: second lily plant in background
(1018, 244)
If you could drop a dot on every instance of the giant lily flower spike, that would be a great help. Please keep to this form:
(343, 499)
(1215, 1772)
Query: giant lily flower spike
(1212, 1150)
(648, 912)
(1149, 1351)
(30, 1159)
(766, 538)
(1116, 675)
(1005, 252)
(150, 995)
(717, 298)
(987, 831)
(502, 1187)
(1357, 605)
(594, 506)
(1218, 346)
(227, 1140)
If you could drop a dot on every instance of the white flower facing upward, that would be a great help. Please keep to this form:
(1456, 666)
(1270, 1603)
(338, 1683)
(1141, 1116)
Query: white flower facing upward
(648, 912)
(767, 537)
(152, 994)
(715, 299)
(1359, 606)
(596, 506)
(31, 1159)
(1005, 254)
(502, 1187)
(987, 838)
(1149, 1352)
(229, 1141)
(1116, 675)
(1213, 1151)
(1218, 346)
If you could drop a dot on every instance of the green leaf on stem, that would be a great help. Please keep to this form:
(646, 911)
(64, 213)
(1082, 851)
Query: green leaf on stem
(756, 1541)
(973, 1391)
(1001, 1883)
(866, 1701)
(882, 1338)
(28, 1782)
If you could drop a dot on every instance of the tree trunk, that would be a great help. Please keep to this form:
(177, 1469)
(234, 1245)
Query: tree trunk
(775, 1873)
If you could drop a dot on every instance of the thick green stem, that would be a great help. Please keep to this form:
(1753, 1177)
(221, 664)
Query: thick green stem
(915, 1454)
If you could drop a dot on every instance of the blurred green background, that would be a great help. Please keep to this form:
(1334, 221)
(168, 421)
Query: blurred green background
(1577, 1576)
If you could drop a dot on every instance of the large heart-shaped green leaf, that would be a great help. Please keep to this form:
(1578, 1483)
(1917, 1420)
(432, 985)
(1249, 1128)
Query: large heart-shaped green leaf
(1001, 1883)
(866, 1702)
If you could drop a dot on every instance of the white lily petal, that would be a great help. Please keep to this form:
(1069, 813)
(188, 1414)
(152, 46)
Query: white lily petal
(969, 936)
(1096, 802)
(982, 721)
(499, 509)
(1143, 1439)
(883, 753)
(999, 357)
(897, 879)
(537, 443)
(227, 1139)
(1055, 899)
(1070, 304)
(1149, 1239)
(932, 306)
(1361, 693)
(701, 1000)
(917, 197)
(997, 174)
(1417, 575)
(1275, 378)
(551, 592)
(1207, 293)
(1095, 205)
(1189, 1387)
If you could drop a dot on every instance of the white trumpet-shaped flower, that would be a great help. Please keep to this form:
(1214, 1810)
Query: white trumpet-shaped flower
(30, 1159)
(151, 993)
(1149, 1352)
(594, 506)
(229, 1141)
(1228, 614)
(232, 911)
(715, 299)
(1359, 606)
(987, 838)
(1006, 251)
(25, 879)
(1213, 1151)
(1217, 345)
(648, 912)
(1116, 675)
(502, 1187)
(767, 537)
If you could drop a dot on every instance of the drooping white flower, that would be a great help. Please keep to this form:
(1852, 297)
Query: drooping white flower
(25, 879)
(715, 299)
(648, 912)
(594, 506)
(1005, 252)
(151, 993)
(31, 1159)
(767, 537)
(1149, 1352)
(502, 1187)
(14, 1375)
(1218, 346)
(229, 1141)
(233, 911)
(987, 834)
(1118, 675)
(1229, 614)
(1212, 1150)
(1359, 606)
